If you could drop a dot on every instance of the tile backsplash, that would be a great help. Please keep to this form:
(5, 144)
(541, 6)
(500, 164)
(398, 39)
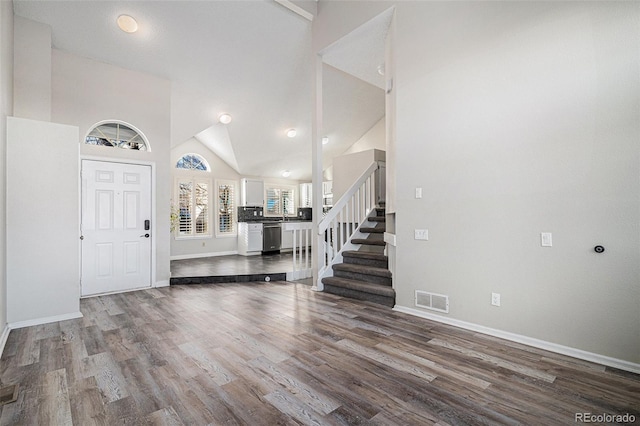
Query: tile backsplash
(248, 214)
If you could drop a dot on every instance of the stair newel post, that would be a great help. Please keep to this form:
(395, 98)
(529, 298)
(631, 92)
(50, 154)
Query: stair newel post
(357, 198)
(346, 219)
(372, 192)
(363, 209)
(307, 239)
(340, 231)
(350, 217)
(367, 194)
(334, 234)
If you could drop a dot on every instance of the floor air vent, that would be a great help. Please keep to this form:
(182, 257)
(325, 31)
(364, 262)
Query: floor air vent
(433, 301)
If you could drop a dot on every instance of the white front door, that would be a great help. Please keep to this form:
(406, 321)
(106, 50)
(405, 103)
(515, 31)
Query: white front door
(116, 227)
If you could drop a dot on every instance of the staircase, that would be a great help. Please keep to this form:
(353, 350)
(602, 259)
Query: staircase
(364, 273)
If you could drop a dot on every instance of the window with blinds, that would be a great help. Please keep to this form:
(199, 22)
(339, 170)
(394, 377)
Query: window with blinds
(226, 208)
(280, 201)
(193, 199)
(185, 197)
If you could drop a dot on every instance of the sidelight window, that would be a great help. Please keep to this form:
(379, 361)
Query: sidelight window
(193, 200)
(226, 208)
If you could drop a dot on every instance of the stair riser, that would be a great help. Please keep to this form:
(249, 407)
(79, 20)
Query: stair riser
(367, 262)
(362, 277)
(372, 249)
(353, 294)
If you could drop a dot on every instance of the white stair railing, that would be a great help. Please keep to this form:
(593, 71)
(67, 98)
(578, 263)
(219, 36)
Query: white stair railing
(301, 249)
(344, 220)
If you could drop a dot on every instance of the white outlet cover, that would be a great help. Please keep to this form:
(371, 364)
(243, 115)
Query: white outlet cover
(421, 234)
(418, 192)
(546, 239)
(495, 299)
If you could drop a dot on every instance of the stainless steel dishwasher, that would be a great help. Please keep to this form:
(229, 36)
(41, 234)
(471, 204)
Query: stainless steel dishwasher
(271, 237)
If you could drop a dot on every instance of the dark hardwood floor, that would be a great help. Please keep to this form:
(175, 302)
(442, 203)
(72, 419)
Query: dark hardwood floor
(279, 353)
(232, 265)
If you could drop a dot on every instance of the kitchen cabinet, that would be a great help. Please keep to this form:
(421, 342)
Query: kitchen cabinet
(251, 193)
(249, 238)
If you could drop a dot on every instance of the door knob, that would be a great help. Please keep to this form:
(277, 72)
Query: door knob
(145, 235)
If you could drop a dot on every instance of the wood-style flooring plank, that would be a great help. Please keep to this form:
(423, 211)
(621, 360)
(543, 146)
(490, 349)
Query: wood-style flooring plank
(54, 407)
(279, 353)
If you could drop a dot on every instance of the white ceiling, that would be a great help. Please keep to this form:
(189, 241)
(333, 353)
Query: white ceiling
(248, 58)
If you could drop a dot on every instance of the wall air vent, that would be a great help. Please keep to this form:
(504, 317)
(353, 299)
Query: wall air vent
(432, 301)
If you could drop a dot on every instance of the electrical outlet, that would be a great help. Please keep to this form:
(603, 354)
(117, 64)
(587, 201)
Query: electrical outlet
(546, 239)
(418, 192)
(420, 234)
(495, 299)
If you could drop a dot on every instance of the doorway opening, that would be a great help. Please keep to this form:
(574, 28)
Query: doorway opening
(115, 227)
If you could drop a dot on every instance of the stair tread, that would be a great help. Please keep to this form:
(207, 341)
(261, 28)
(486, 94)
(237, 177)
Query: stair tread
(377, 219)
(364, 255)
(362, 286)
(369, 242)
(361, 269)
(370, 230)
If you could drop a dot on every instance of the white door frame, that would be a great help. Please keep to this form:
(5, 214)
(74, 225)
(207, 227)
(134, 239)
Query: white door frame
(152, 164)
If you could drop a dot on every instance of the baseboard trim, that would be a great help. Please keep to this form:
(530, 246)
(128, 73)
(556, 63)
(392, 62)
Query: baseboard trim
(199, 255)
(3, 338)
(529, 341)
(44, 320)
(163, 283)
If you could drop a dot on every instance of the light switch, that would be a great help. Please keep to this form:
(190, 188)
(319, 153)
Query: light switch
(421, 234)
(418, 192)
(545, 239)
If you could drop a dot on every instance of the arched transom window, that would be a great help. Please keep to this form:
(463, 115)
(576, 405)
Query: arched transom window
(117, 134)
(193, 162)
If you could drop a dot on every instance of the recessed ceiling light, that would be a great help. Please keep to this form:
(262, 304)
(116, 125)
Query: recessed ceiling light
(292, 133)
(127, 24)
(286, 173)
(325, 140)
(224, 118)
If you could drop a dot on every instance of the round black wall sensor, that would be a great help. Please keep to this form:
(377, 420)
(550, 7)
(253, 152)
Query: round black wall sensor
(598, 249)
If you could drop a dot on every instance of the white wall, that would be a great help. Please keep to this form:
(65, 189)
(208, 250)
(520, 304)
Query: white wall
(348, 168)
(112, 93)
(517, 118)
(374, 138)
(6, 109)
(32, 70)
(43, 252)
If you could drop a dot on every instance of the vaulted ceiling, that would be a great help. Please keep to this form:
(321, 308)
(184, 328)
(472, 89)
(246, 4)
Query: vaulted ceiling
(251, 59)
